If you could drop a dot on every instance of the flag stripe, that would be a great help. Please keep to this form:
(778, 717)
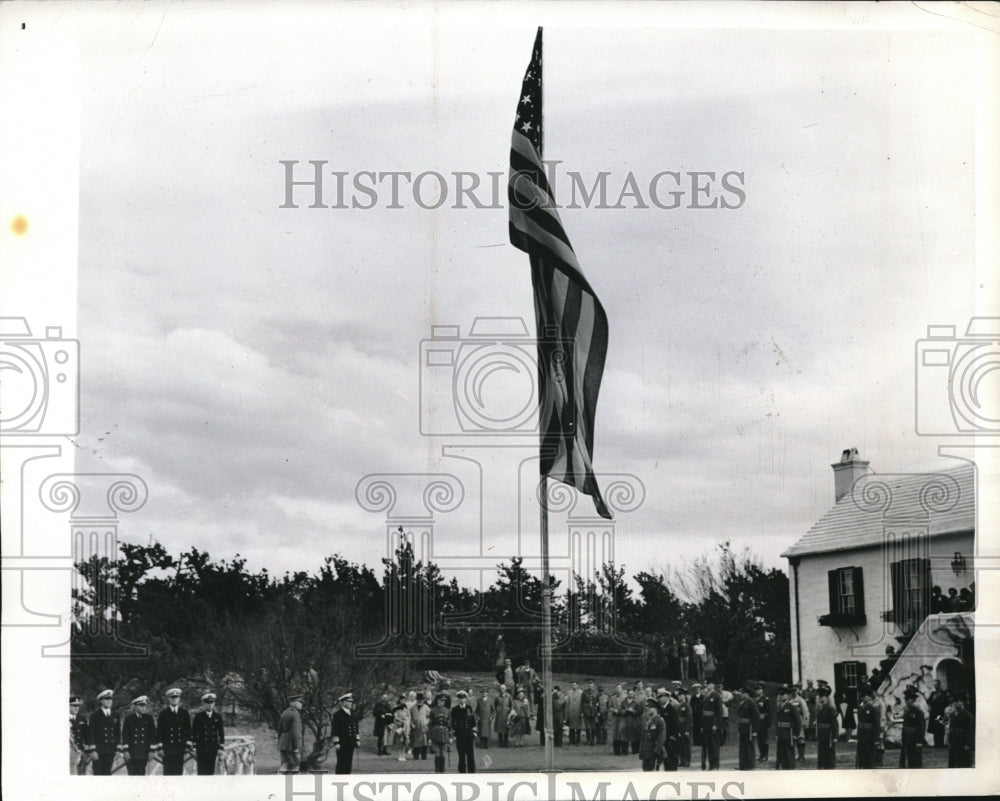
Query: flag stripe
(534, 214)
(522, 162)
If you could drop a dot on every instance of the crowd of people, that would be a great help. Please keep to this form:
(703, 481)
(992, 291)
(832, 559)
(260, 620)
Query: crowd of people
(958, 599)
(664, 727)
(686, 659)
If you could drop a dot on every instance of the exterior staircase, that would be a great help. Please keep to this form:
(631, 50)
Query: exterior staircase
(941, 649)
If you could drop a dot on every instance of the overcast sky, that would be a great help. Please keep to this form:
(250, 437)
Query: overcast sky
(253, 363)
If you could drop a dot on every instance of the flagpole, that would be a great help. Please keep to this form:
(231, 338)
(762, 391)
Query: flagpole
(547, 683)
(550, 754)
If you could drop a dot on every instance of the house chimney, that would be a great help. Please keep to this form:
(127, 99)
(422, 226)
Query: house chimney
(848, 470)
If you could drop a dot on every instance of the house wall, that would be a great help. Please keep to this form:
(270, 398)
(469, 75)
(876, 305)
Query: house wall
(822, 646)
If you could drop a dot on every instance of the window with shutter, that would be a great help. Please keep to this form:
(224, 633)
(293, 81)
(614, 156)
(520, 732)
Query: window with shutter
(847, 605)
(911, 593)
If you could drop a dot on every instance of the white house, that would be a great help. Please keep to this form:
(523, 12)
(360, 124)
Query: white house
(862, 579)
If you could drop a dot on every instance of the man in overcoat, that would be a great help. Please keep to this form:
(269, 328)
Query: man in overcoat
(290, 735)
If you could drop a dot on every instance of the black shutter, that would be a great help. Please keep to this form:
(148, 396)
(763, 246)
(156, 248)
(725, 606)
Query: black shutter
(925, 590)
(839, 680)
(859, 591)
(833, 577)
(898, 591)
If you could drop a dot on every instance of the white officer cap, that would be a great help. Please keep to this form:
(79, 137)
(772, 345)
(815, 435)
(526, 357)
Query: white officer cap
(105, 694)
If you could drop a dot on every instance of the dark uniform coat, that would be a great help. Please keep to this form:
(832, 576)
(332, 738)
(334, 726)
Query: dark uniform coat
(961, 738)
(463, 725)
(207, 732)
(103, 738)
(747, 716)
(912, 740)
(209, 736)
(78, 727)
(440, 728)
(869, 735)
(173, 731)
(654, 735)
(138, 734)
(711, 725)
(383, 717)
(827, 731)
(788, 723)
(697, 704)
(669, 711)
(684, 725)
(344, 731)
(558, 716)
(764, 724)
(104, 732)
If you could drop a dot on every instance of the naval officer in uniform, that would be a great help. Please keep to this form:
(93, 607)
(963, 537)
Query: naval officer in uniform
(173, 731)
(138, 737)
(208, 735)
(104, 734)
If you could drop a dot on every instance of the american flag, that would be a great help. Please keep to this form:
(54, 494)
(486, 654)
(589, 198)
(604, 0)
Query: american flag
(572, 327)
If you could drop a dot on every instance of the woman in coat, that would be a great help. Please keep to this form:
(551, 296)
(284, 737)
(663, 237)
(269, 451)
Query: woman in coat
(401, 729)
(518, 718)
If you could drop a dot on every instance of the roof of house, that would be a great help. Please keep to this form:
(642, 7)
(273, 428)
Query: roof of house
(945, 501)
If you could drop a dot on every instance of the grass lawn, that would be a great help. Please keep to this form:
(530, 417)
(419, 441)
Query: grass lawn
(531, 757)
